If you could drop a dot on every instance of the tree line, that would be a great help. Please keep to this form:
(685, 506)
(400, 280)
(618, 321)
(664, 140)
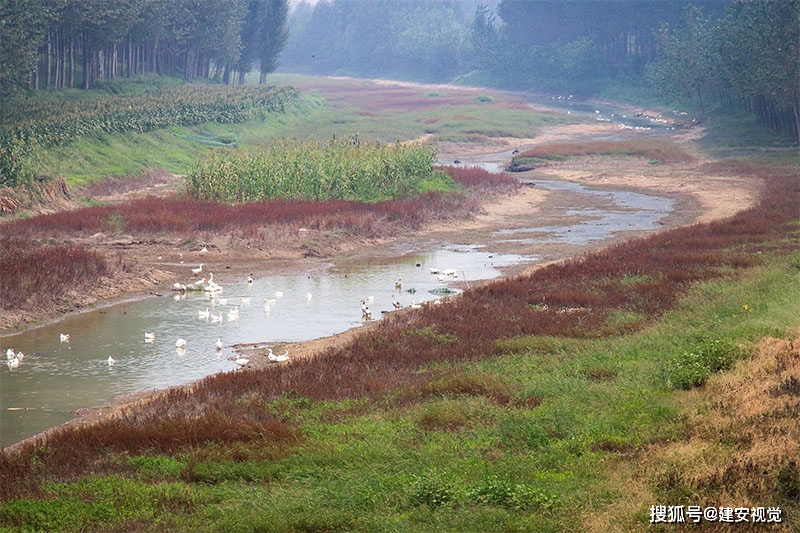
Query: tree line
(739, 53)
(72, 43)
(736, 53)
(750, 59)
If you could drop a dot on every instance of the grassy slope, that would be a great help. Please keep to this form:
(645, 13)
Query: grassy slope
(418, 111)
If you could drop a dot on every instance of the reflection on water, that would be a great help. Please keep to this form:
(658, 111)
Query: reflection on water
(55, 377)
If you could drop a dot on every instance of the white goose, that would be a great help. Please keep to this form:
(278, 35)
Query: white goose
(180, 343)
(219, 344)
(64, 337)
(233, 316)
(10, 354)
(13, 363)
(198, 269)
(111, 361)
(278, 358)
(204, 315)
(241, 361)
(149, 337)
(366, 312)
(212, 286)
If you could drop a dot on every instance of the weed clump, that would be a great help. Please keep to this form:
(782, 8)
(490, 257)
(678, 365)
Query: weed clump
(691, 368)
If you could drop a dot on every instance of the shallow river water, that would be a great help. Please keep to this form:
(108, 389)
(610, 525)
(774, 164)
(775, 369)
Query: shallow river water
(55, 378)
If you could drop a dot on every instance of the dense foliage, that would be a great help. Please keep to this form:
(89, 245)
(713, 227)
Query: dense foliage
(69, 43)
(545, 45)
(28, 124)
(340, 169)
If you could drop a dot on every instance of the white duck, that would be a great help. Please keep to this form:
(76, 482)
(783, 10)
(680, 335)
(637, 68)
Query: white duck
(219, 344)
(180, 343)
(149, 337)
(13, 363)
(111, 361)
(64, 337)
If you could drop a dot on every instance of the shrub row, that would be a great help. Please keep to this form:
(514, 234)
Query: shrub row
(341, 169)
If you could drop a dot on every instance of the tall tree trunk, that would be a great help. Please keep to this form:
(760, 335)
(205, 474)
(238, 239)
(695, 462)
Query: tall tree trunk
(130, 62)
(48, 60)
(87, 61)
(72, 61)
(59, 81)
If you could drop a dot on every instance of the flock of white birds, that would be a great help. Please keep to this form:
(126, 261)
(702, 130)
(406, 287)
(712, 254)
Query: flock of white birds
(214, 290)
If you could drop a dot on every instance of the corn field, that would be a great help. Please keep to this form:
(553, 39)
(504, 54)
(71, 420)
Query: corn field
(28, 124)
(340, 169)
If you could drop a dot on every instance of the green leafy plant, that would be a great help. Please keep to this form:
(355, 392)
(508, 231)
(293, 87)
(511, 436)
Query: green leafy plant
(692, 367)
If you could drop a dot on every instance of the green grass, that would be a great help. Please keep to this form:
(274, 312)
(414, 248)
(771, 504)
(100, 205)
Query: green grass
(446, 115)
(120, 154)
(530, 439)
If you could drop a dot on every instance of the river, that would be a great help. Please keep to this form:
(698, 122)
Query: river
(56, 378)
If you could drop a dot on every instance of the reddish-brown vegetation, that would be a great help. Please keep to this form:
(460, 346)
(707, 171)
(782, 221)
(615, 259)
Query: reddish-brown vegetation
(572, 299)
(182, 216)
(482, 181)
(658, 150)
(31, 270)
